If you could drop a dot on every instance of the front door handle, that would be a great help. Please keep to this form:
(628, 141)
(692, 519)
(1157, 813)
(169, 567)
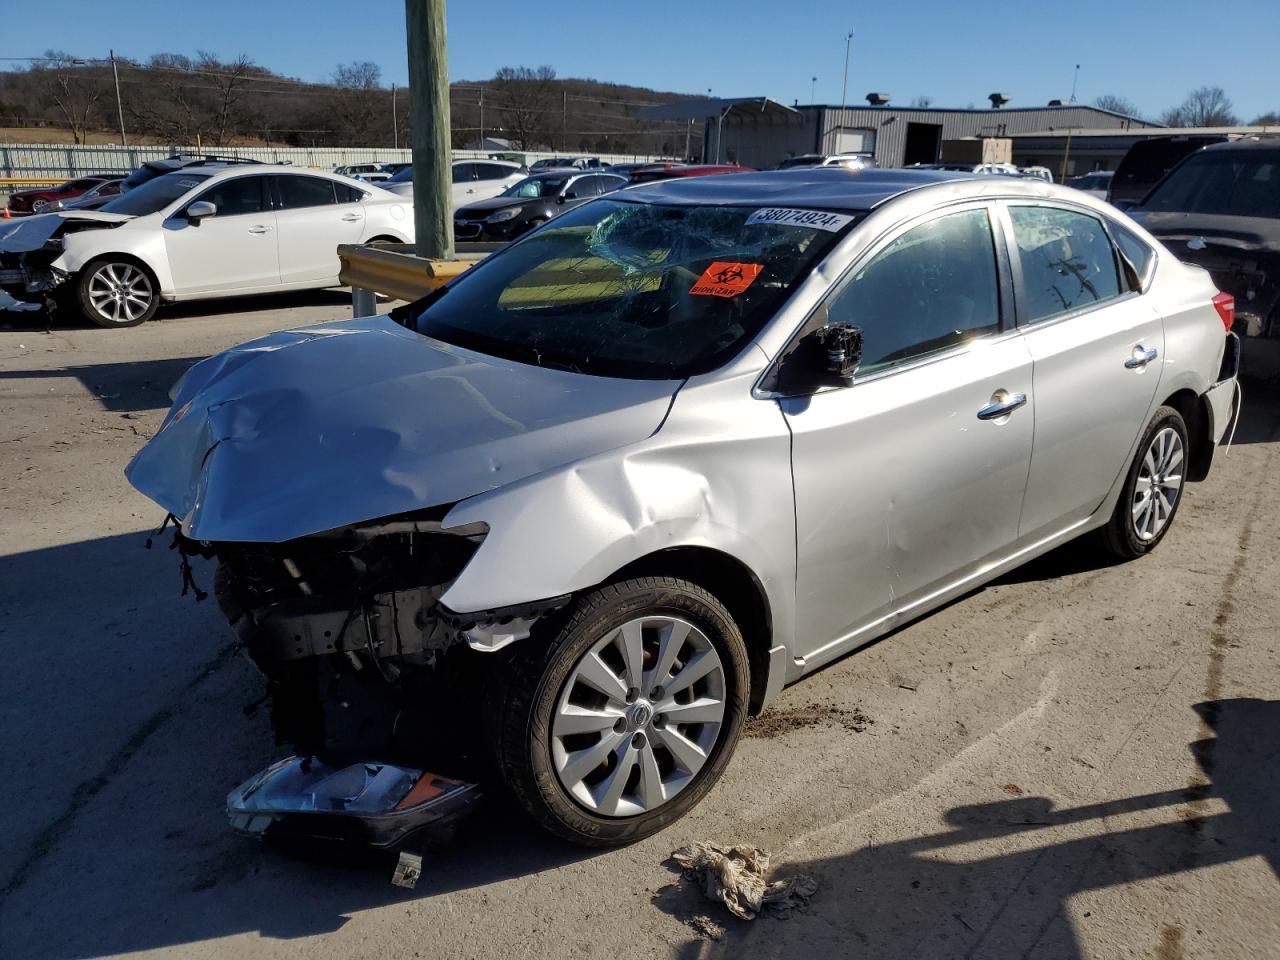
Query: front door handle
(352, 217)
(1141, 357)
(1002, 403)
(259, 228)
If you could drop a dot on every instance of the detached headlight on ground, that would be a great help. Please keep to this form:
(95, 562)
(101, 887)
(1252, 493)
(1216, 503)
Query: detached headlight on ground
(509, 214)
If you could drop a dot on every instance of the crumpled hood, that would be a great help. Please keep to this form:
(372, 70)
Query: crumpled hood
(30, 233)
(317, 428)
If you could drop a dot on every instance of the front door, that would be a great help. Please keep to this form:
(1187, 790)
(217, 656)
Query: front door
(913, 475)
(1097, 347)
(233, 249)
(311, 224)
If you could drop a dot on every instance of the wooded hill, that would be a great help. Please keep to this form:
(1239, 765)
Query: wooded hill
(214, 102)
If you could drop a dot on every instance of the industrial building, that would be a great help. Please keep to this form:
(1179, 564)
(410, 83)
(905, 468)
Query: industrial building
(760, 132)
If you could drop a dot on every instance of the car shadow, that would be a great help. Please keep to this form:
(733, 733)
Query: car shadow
(128, 387)
(40, 320)
(131, 715)
(988, 886)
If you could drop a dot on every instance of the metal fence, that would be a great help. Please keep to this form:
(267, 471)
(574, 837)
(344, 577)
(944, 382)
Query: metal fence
(58, 162)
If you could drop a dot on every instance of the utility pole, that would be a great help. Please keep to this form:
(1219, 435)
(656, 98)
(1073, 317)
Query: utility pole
(564, 120)
(124, 141)
(844, 89)
(482, 118)
(395, 120)
(1074, 80)
(429, 128)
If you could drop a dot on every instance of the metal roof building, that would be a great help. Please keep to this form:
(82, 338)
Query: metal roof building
(760, 132)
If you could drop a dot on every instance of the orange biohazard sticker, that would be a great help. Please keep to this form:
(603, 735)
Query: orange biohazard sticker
(723, 279)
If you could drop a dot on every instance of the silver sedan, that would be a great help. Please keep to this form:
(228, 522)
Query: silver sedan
(602, 498)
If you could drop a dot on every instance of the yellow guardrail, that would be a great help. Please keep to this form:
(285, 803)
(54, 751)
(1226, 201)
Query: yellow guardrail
(31, 181)
(393, 269)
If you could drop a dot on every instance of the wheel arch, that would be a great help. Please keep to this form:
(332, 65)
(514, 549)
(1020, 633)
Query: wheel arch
(734, 584)
(1198, 417)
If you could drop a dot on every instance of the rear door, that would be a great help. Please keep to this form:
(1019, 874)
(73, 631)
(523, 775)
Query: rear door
(311, 224)
(464, 184)
(913, 476)
(232, 250)
(1098, 350)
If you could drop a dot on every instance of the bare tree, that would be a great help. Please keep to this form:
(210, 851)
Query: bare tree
(1204, 107)
(359, 84)
(73, 91)
(1116, 104)
(525, 98)
(228, 80)
(1269, 119)
(922, 101)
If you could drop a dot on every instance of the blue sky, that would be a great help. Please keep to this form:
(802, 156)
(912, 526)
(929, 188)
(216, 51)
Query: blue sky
(955, 52)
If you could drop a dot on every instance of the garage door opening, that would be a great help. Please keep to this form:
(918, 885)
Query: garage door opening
(924, 141)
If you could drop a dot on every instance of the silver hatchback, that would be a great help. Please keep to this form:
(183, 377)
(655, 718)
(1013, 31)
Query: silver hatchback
(568, 522)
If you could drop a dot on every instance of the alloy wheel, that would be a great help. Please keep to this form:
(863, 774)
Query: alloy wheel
(120, 292)
(1159, 484)
(638, 716)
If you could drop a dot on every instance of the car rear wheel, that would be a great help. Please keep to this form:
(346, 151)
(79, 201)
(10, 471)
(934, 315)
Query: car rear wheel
(621, 722)
(117, 293)
(1153, 488)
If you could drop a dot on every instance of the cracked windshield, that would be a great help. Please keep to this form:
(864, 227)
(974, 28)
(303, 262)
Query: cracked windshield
(634, 290)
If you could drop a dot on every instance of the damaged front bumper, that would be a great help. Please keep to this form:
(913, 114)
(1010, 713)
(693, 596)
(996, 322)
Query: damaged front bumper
(377, 805)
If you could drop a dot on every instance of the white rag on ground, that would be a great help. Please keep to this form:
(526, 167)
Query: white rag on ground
(738, 878)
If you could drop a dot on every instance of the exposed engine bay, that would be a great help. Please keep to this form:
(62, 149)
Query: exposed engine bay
(361, 658)
(29, 248)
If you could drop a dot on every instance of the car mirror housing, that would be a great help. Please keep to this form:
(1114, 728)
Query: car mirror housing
(840, 351)
(571, 195)
(201, 209)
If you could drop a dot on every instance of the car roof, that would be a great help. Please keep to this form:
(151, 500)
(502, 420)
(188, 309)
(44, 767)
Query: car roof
(825, 187)
(1261, 142)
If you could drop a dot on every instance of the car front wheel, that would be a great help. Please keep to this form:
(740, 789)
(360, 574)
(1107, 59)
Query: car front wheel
(621, 722)
(1153, 488)
(117, 293)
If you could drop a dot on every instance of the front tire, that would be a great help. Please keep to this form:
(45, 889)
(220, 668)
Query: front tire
(117, 293)
(1152, 490)
(620, 722)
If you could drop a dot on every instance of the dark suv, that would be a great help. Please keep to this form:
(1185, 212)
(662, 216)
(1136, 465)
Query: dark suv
(1149, 160)
(151, 169)
(1220, 209)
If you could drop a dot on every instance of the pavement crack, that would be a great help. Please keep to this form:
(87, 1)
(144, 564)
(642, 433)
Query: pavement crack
(44, 842)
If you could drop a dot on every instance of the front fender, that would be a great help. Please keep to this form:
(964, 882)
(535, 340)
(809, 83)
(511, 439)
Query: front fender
(145, 246)
(716, 475)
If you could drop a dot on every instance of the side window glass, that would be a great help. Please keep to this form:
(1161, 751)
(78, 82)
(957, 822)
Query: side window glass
(464, 172)
(930, 289)
(582, 187)
(1067, 261)
(296, 192)
(1139, 255)
(609, 184)
(347, 193)
(238, 196)
(491, 171)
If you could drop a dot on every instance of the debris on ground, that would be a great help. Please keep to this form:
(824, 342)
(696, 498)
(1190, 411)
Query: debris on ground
(738, 878)
(408, 870)
(783, 720)
(705, 927)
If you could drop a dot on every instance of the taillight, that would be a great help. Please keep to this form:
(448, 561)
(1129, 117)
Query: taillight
(1225, 304)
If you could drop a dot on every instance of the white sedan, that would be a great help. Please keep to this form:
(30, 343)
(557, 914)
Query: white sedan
(473, 180)
(197, 233)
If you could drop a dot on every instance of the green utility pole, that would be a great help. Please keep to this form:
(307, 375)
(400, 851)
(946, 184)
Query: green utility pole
(429, 129)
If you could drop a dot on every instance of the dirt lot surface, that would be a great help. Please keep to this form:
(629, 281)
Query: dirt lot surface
(1077, 761)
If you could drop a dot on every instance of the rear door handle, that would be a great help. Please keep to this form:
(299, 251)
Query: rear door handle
(1002, 403)
(1141, 357)
(351, 217)
(260, 228)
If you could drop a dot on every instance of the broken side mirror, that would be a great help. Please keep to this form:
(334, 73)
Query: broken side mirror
(840, 351)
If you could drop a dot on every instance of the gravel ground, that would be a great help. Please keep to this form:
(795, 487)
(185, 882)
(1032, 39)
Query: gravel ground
(1077, 761)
